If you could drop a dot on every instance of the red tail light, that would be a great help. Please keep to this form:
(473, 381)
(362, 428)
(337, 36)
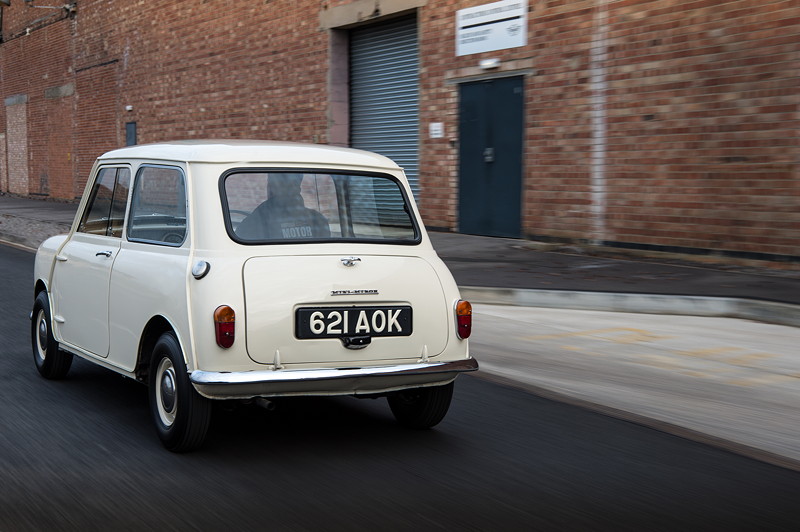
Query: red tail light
(225, 325)
(463, 319)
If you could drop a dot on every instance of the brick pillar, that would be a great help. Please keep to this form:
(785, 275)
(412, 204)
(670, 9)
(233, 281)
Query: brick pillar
(3, 164)
(17, 143)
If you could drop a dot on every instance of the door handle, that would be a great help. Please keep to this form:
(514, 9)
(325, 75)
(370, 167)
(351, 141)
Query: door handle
(350, 261)
(103, 253)
(488, 155)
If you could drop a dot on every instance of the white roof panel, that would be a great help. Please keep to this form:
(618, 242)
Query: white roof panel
(251, 151)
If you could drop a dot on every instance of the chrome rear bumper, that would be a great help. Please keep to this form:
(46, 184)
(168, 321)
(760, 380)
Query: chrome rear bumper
(267, 383)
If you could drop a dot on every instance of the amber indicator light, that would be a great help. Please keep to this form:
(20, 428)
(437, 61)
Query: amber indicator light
(463, 319)
(224, 326)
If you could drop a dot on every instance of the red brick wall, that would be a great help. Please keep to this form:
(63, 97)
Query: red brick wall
(56, 168)
(695, 144)
(245, 70)
(39, 132)
(97, 121)
(703, 113)
(651, 122)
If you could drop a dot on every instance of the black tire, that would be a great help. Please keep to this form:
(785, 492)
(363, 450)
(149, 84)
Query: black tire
(421, 408)
(51, 362)
(181, 415)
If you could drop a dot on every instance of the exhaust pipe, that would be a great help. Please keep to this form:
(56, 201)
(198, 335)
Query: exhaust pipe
(264, 403)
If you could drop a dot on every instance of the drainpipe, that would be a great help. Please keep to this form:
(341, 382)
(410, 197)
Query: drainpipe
(599, 58)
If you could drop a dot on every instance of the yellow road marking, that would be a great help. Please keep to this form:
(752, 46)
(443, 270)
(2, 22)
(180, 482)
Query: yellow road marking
(746, 360)
(710, 352)
(762, 380)
(632, 336)
(656, 361)
(692, 373)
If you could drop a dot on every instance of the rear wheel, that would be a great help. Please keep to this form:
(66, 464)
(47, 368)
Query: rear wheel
(421, 408)
(51, 362)
(181, 415)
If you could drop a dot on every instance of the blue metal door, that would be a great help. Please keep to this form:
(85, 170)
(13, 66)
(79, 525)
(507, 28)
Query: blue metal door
(490, 157)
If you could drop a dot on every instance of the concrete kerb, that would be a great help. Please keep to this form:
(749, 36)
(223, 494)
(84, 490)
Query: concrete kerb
(727, 307)
(722, 307)
(14, 241)
(26, 234)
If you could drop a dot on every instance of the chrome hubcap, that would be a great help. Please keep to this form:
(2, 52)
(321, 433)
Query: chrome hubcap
(166, 392)
(42, 334)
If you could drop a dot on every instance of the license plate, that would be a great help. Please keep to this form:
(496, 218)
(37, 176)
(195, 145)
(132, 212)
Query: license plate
(338, 322)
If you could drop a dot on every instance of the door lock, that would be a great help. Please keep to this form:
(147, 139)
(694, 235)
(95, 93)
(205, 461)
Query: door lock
(488, 155)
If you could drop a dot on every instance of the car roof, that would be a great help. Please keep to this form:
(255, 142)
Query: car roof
(251, 151)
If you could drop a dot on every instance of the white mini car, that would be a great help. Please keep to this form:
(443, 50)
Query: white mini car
(241, 270)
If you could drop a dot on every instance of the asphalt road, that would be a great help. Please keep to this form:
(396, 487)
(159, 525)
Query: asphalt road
(729, 381)
(81, 454)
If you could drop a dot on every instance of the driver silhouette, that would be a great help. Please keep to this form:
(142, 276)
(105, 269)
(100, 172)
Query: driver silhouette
(284, 214)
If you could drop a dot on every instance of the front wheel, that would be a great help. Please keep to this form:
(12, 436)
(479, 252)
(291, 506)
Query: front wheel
(51, 362)
(181, 415)
(421, 408)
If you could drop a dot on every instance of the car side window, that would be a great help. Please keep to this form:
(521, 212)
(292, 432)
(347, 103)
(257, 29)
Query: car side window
(158, 206)
(105, 210)
(119, 202)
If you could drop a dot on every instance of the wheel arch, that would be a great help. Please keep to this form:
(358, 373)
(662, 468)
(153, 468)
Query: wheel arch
(39, 286)
(152, 331)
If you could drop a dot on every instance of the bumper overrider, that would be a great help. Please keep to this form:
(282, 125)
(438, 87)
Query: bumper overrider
(355, 381)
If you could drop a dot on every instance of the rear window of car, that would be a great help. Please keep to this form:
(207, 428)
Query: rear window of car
(286, 206)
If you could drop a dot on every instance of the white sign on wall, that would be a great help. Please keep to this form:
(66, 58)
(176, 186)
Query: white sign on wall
(490, 27)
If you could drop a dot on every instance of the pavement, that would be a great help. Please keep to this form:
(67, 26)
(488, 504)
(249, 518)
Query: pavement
(511, 280)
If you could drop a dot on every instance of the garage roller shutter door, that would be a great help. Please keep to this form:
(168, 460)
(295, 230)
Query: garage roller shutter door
(384, 93)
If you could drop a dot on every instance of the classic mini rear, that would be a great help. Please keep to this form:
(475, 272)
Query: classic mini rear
(303, 271)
